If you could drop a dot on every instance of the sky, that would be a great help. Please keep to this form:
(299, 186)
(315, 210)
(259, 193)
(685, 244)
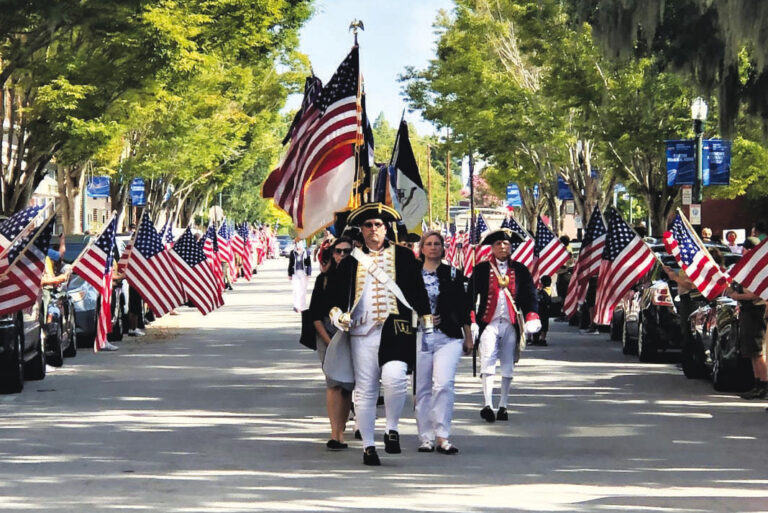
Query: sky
(398, 33)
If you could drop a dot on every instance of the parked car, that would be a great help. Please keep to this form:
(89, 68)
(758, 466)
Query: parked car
(716, 352)
(22, 350)
(286, 244)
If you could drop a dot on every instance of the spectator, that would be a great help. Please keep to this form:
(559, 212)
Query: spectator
(730, 240)
(759, 231)
(545, 303)
(641, 229)
(706, 234)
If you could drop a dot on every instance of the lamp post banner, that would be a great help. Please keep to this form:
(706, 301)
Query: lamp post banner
(138, 197)
(513, 195)
(681, 162)
(717, 153)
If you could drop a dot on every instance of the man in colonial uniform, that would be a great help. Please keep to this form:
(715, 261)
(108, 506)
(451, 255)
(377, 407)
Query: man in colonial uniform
(507, 309)
(377, 295)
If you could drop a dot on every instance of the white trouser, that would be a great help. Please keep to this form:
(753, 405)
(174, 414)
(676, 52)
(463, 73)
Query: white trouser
(436, 363)
(299, 286)
(394, 380)
(497, 346)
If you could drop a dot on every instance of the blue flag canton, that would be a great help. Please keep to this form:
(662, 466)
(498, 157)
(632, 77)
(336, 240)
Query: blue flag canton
(595, 228)
(506, 223)
(480, 227)
(148, 241)
(210, 233)
(189, 249)
(543, 237)
(224, 232)
(44, 239)
(168, 233)
(243, 231)
(685, 241)
(515, 227)
(106, 242)
(11, 227)
(343, 83)
(620, 235)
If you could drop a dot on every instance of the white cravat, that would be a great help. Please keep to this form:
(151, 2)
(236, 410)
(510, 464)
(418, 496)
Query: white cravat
(501, 303)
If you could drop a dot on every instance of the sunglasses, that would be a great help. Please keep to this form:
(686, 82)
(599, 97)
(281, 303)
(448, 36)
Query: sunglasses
(342, 251)
(371, 224)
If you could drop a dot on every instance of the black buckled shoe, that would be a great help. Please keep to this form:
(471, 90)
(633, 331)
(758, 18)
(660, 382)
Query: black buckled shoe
(370, 457)
(502, 414)
(392, 442)
(335, 445)
(487, 414)
(358, 436)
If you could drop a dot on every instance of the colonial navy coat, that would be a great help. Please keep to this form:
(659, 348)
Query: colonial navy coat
(398, 336)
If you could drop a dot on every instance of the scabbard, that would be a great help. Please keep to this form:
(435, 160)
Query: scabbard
(474, 361)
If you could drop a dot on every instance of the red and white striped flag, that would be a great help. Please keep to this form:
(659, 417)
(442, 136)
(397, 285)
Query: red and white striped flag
(587, 264)
(95, 267)
(626, 259)
(549, 254)
(211, 249)
(752, 270)
(151, 272)
(694, 259)
(521, 252)
(195, 273)
(315, 178)
(244, 250)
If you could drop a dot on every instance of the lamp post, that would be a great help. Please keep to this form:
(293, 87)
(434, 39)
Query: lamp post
(699, 116)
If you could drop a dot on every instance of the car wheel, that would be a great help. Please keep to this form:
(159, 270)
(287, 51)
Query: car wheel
(721, 381)
(628, 345)
(71, 350)
(646, 351)
(12, 369)
(85, 340)
(55, 356)
(34, 370)
(617, 325)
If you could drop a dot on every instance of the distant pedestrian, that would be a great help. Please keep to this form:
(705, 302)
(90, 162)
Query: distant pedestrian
(299, 269)
(545, 304)
(759, 231)
(706, 234)
(752, 335)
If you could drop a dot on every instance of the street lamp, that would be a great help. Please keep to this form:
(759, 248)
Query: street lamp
(699, 116)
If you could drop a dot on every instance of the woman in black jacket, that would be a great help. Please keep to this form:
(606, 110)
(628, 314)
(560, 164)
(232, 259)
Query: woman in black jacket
(440, 351)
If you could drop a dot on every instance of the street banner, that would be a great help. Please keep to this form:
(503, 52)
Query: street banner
(513, 195)
(138, 198)
(563, 191)
(98, 187)
(681, 162)
(718, 172)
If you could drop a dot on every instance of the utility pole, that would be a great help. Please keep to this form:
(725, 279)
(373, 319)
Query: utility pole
(448, 189)
(429, 185)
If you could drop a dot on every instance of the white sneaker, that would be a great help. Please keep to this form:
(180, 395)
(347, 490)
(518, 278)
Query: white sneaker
(136, 333)
(109, 347)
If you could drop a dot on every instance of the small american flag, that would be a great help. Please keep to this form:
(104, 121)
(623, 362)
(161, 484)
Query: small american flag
(588, 263)
(626, 259)
(168, 234)
(246, 260)
(522, 251)
(549, 253)
(211, 250)
(474, 253)
(695, 260)
(151, 272)
(195, 273)
(95, 267)
(21, 287)
(225, 249)
(752, 270)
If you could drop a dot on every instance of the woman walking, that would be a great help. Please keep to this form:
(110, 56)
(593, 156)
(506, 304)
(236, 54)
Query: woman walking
(299, 269)
(338, 396)
(440, 351)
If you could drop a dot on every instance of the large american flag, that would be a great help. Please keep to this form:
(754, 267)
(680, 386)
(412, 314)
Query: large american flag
(95, 267)
(522, 251)
(474, 253)
(695, 260)
(151, 272)
(195, 274)
(316, 175)
(587, 264)
(626, 259)
(549, 254)
(22, 270)
(752, 270)
(211, 249)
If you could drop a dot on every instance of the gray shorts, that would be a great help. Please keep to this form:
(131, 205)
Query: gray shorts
(330, 383)
(752, 330)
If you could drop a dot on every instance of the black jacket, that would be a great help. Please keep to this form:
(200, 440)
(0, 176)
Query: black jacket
(526, 297)
(292, 263)
(453, 304)
(398, 337)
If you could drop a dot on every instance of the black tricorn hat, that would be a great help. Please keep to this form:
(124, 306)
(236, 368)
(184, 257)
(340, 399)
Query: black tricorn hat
(372, 211)
(503, 234)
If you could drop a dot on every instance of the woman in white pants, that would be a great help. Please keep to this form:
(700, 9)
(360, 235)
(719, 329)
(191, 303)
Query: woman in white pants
(440, 351)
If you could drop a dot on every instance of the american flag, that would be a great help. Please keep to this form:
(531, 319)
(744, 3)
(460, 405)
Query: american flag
(95, 267)
(626, 259)
(587, 264)
(549, 254)
(522, 251)
(211, 250)
(168, 234)
(226, 254)
(474, 253)
(151, 272)
(195, 274)
(316, 175)
(23, 270)
(238, 241)
(752, 270)
(695, 260)
(244, 235)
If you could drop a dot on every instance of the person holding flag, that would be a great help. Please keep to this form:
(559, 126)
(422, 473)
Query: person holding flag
(506, 309)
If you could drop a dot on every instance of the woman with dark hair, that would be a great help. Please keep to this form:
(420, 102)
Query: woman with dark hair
(439, 352)
(338, 396)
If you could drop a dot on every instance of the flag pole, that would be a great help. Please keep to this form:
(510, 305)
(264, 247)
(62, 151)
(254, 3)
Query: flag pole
(448, 189)
(429, 183)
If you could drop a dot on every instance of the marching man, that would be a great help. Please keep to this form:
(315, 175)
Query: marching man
(376, 295)
(506, 311)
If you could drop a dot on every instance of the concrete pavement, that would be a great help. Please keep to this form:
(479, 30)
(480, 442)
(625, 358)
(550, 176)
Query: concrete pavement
(225, 413)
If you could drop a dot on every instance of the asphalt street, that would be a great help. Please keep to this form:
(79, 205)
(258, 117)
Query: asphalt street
(226, 413)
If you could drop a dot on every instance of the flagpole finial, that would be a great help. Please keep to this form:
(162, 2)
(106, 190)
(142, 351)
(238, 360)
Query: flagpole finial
(356, 25)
